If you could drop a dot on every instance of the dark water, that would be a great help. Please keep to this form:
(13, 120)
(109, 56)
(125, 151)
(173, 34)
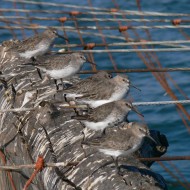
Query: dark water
(162, 118)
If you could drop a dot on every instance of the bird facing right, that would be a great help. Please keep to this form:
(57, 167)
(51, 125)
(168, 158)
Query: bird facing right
(107, 115)
(100, 91)
(121, 141)
(60, 66)
(36, 45)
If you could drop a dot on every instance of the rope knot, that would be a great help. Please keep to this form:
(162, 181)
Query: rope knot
(63, 19)
(113, 10)
(74, 13)
(176, 22)
(123, 28)
(89, 46)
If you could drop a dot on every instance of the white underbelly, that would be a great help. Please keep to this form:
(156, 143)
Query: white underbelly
(96, 126)
(94, 103)
(72, 95)
(116, 153)
(120, 94)
(111, 152)
(114, 97)
(62, 73)
(33, 53)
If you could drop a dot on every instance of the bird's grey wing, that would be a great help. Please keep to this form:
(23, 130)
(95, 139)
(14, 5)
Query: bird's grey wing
(24, 44)
(81, 87)
(51, 60)
(96, 91)
(105, 142)
(80, 117)
(100, 113)
(123, 139)
(88, 88)
(103, 92)
(96, 142)
(96, 114)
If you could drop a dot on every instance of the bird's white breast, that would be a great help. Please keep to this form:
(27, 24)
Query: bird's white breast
(111, 152)
(73, 95)
(62, 73)
(116, 153)
(41, 49)
(95, 103)
(101, 125)
(117, 95)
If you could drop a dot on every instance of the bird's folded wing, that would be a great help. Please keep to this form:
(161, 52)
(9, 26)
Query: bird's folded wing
(95, 142)
(101, 113)
(21, 46)
(80, 117)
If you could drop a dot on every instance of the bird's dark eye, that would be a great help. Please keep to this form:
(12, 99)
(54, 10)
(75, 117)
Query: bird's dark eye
(124, 80)
(110, 76)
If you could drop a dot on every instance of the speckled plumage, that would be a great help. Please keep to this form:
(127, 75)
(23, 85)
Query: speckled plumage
(36, 45)
(121, 141)
(60, 65)
(106, 115)
(84, 85)
(100, 91)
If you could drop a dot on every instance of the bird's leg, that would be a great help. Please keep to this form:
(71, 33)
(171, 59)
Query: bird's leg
(57, 86)
(39, 73)
(33, 59)
(103, 132)
(71, 103)
(117, 165)
(65, 97)
(64, 86)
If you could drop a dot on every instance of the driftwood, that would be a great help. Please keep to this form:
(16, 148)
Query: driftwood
(49, 131)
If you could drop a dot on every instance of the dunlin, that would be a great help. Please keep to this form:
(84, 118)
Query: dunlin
(121, 141)
(107, 115)
(60, 66)
(35, 45)
(98, 92)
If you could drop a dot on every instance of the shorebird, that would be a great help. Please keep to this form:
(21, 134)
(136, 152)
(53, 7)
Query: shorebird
(107, 115)
(88, 83)
(121, 141)
(98, 92)
(36, 45)
(60, 66)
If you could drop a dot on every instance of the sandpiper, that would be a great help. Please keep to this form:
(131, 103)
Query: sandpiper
(60, 66)
(85, 84)
(98, 92)
(121, 141)
(107, 115)
(36, 45)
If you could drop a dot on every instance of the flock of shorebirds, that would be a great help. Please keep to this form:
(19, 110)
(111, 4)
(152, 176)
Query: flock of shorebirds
(103, 94)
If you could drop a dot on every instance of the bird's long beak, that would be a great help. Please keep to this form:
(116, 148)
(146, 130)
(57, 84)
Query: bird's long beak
(60, 36)
(151, 138)
(136, 111)
(134, 86)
